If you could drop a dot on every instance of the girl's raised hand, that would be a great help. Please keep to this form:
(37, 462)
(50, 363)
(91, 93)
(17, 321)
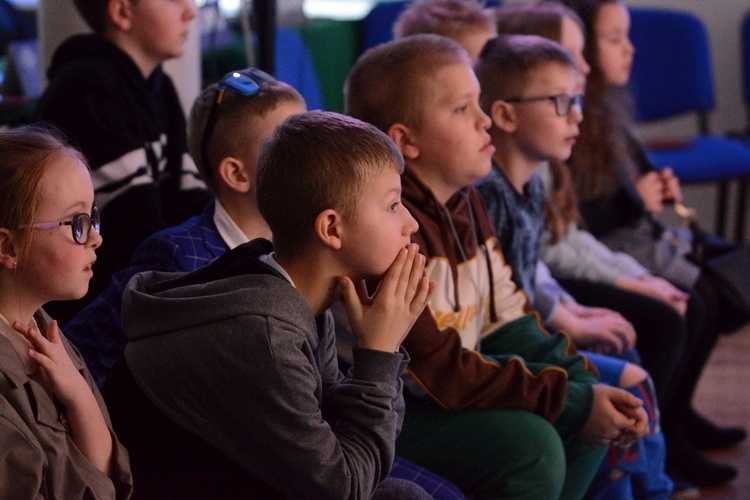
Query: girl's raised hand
(65, 380)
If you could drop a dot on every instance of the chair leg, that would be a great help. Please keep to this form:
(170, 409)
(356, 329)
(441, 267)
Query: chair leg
(739, 223)
(721, 207)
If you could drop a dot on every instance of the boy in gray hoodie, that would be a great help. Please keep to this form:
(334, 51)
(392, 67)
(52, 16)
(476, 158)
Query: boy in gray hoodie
(241, 353)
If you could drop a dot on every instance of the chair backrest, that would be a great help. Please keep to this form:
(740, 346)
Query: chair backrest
(746, 58)
(377, 26)
(293, 64)
(672, 72)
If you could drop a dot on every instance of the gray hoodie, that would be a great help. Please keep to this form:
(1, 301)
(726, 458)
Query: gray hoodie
(232, 353)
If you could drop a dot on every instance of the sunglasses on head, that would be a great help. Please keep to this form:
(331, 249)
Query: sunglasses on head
(80, 225)
(245, 82)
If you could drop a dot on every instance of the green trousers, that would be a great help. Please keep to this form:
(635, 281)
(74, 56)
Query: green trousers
(497, 453)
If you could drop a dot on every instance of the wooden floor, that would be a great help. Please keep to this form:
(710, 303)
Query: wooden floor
(724, 394)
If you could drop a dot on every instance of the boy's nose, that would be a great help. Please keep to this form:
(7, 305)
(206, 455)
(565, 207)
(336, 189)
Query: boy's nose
(484, 121)
(411, 226)
(190, 10)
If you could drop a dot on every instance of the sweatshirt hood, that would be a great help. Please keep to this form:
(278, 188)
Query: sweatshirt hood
(81, 53)
(453, 231)
(159, 303)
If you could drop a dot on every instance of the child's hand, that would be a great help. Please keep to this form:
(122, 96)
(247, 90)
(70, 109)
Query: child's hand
(607, 423)
(656, 288)
(663, 290)
(608, 330)
(381, 322)
(670, 186)
(638, 430)
(65, 380)
(651, 188)
(89, 431)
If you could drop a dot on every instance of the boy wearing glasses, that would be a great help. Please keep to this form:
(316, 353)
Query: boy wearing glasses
(241, 353)
(496, 404)
(532, 91)
(109, 94)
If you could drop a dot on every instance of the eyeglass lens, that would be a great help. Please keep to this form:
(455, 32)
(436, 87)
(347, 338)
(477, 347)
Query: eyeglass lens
(564, 103)
(82, 224)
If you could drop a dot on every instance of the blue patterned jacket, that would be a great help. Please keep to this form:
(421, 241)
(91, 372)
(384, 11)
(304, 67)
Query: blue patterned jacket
(97, 330)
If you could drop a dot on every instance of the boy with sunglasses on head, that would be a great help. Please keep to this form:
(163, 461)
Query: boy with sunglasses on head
(496, 404)
(252, 104)
(109, 94)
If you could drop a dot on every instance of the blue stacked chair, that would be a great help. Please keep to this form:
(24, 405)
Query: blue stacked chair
(672, 76)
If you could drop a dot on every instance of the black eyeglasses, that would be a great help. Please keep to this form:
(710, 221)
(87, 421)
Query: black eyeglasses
(245, 82)
(80, 224)
(564, 103)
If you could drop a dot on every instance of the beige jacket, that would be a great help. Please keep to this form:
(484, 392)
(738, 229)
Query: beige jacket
(38, 458)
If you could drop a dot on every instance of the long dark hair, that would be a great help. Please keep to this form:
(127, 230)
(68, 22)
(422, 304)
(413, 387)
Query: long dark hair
(602, 148)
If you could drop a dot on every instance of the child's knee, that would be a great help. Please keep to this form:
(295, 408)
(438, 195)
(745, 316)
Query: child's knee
(632, 375)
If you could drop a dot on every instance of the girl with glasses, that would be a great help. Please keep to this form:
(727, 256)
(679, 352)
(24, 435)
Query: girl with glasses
(58, 442)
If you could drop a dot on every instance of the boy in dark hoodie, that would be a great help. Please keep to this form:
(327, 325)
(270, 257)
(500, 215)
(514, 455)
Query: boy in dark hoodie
(241, 353)
(496, 404)
(109, 94)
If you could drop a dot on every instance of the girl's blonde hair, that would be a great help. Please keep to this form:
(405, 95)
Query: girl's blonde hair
(25, 154)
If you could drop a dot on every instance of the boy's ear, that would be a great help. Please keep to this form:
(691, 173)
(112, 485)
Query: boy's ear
(403, 137)
(235, 175)
(503, 116)
(119, 14)
(328, 228)
(8, 256)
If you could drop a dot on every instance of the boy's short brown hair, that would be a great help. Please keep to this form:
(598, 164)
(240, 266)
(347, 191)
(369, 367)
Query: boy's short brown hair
(535, 18)
(94, 12)
(390, 82)
(450, 18)
(505, 66)
(234, 133)
(316, 161)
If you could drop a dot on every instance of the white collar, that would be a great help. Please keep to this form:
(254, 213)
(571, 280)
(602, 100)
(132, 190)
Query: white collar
(228, 230)
(271, 261)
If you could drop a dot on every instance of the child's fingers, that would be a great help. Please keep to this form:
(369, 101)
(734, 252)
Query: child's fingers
(31, 334)
(392, 277)
(405, 285)
(53, 332)
(415, 277)
(424, 290)
(351, 299)
(43, 360)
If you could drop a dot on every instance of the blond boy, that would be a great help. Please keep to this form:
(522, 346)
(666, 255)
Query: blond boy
(466, 21)
(486, 381)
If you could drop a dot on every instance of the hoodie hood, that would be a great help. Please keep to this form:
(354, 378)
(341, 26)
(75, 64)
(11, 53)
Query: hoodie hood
(454, 231)
(84, 53)
(158, 304)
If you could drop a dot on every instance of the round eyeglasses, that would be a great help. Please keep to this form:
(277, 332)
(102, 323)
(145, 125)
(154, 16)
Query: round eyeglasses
(564, 103)
(80, 225)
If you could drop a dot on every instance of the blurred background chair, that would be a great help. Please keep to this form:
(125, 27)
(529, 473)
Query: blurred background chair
(672, 76)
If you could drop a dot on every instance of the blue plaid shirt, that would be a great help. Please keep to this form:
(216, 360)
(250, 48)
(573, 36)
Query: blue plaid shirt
(97, 329)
